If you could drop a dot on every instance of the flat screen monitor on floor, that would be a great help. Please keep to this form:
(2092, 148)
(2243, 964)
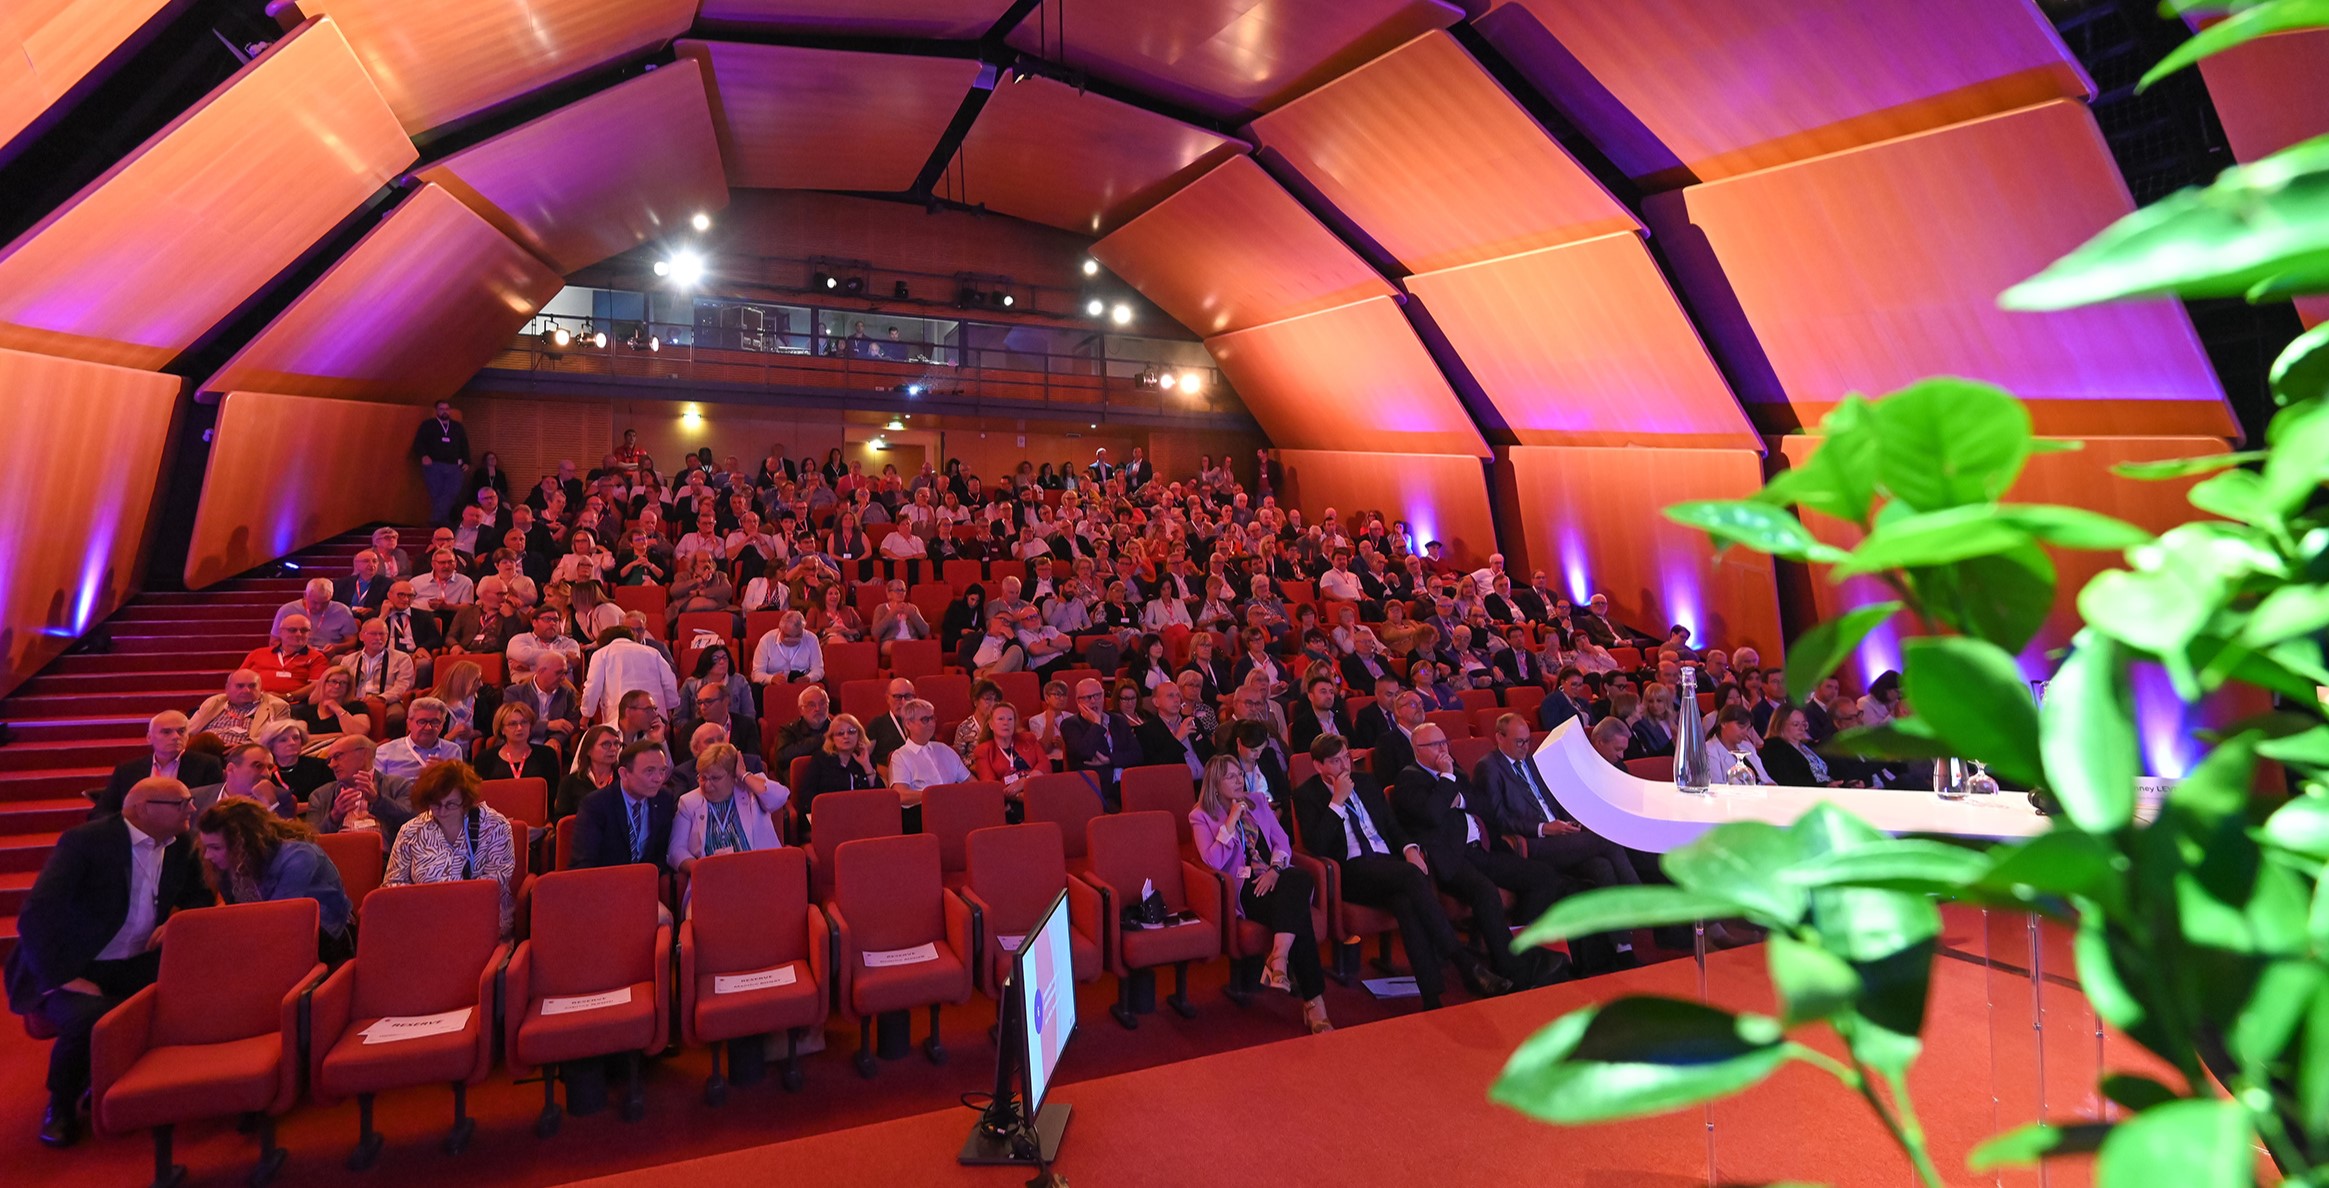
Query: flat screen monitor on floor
(1045, 974)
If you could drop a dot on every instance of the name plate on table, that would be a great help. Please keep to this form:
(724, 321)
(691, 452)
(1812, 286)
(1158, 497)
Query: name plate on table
(392, 1028)
(1011, 943)
(877, 959)
(586, 1002)
(766, 979)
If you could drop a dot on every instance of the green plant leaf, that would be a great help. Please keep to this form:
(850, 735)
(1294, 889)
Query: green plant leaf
(1975, 698)
(2313, 1065)
(2218, 788)
(1930, 539)
(2301, 372)
(2063, 863)
(2098, 975)
(2035, 1141)
(2201, 1143)
(2254, 223)
(1635, 1056)
(2175, 468)
(1812, 982)
(1901, 738)
(1742, 862)
(1758, 526)
(2264, 20)
(2235, 495)
(1948, 441)
(2308, 747)
(2136, 1092)
(2276, 1006)
(2301, 827)
(1817, 653)
(1609, 909)
(1886, 936)
(2299, 436)
(2286, 613)
(2086, 732)
(1896, 864)
(2157, 610)
(2003, 598)
(2073, 527)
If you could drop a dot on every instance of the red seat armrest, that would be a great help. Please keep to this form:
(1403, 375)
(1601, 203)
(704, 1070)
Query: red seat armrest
(119, 1039)
(844, 955)
(662, 989)
(517, 997)
(1086, 912)
(327, 1014)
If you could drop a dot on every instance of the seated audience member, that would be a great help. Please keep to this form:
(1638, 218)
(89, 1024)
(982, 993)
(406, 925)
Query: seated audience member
(412, 631)
(1320, 712)
(597, 757)
(621, 666)
(842, 622)
(1678, 642)
(629, 822)
(715, 667)
(89, 932)
(1819, 721)
(485, 627)
(730, 810)
(1773, 697)
(1212, 670)
(1437, 694)
(702, 589)
(1788, 756)
(1240, 839)
(453, 836)
(920, 761)
(805, 734)
(1727, 696)
(888, 732)
(993, 651)
(1653, 731)
(1569, 699)
(250, 775)
(165, 757)
(325, 710)
(367, 587)
(1006, 754)
(547, 636)
(1586, 655)
(1097, 741)
(298, 771)
(553, 700)
(1344, 818)
(1728, 749)
(1444, 813)
(1881, 704)
(843, 763)
(1611, 740)
(424, 741)
(331, 626)
(896, 619)
(1518, 802)
(965, 616)
(358, 795)
(985, 695)
(512, 754)
(509, 579)
(591, 614)
(1173, 735)
(444, 589)
(286, 665)
(377, 670)
(255, 856)
(636, 623)
(713, 706)
(788, 653)
(241, 709)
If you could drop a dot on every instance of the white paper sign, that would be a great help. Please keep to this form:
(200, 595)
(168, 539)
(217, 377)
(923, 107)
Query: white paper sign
(392, 1028)
(915, 956)
(1011, 943)
(766, 979)
(586, 1002)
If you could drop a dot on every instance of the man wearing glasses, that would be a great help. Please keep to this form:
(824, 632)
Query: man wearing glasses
(90, 933)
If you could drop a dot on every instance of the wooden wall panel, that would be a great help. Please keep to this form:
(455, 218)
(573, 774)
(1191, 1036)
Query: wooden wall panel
(1436, 162)
(1583, 344)
(1593, 520)
(1233, 250)
(47, 47)
(958, 20)
(1684, 90)
(437, 61)
(1443, 497)
(1866, 270)
(287, 471)
(1228, 58)
(601, 175)
(817, 119)
(1044, 151)
(412, 311)
(169, 242)
(2269, 96)
(1349, 378)
(87, 442)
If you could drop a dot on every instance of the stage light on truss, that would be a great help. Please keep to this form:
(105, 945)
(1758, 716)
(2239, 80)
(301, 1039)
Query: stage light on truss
(1121, 314)
(687, 269)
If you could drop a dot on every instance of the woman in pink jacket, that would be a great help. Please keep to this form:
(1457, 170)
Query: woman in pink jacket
(1244, 841)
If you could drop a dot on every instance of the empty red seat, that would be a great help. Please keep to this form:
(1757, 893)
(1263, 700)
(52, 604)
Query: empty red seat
(846, 662)
(1066, 799)
(750, 914)
(1015, 873)
(1468, 752)
(648, 600)
(1456, 723)
(1524, 700)
(951, 811)
(889, 902)
(526, 800)
(917, 658)
(1163, 788)
(1475, 700)
(948, 694)
(865, 700)
(780, 704)
(1024, 690)
(595, 937)
(1128, 851)
(1652, 767)
(839, 817)
(361, 857)
(961, 575)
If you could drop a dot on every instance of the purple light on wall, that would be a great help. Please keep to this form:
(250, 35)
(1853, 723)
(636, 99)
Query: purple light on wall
(2163, 726)
(1879, 652)
(1683, 601)
(1573, 567)
(94, 563)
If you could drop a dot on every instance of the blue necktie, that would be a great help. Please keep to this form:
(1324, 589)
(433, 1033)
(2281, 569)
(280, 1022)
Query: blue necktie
(638, 830)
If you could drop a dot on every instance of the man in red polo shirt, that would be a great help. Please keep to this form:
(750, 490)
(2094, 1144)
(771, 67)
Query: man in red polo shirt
(287, 667)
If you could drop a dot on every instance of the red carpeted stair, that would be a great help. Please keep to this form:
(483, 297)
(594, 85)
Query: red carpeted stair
(84, 713)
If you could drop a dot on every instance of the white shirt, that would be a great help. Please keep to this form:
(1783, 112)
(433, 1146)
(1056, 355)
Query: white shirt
(429, 593)
(404, 760)
(990, 650)
(774, 658)
(1720, 759)
(620, 667)
(1341, 585)
(919, 765)
(525, 649)
(1354, 813)
(145, 875)
(903, 545)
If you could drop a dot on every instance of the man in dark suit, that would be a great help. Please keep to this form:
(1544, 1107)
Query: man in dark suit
(1097, 741)
(1343, 818)
(1569, 699)
(888, 732)
(1169, 735)
(629, 820)
(1535, 601)
(1317, 714)
(1445, 815)
(1369, 724)
(1517, 803)
(166, 757)
(1394, 748)
(1519, 665)
(1138, 472)
(1366, 664)
(89, 932)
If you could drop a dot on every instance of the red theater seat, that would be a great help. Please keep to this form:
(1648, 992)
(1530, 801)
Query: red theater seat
(1127, 851)
(950, 812)
(1015, 873)
(1066, 799)
(888, 898)
(840, 817)
(750, 913)
(594, 933)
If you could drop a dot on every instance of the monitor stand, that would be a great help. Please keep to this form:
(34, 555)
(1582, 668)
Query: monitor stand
(982, 1150)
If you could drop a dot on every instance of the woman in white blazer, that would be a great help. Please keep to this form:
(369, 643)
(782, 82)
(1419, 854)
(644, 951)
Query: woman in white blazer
(731, 810)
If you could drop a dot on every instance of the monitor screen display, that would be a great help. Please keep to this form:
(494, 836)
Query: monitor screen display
(1047, 997)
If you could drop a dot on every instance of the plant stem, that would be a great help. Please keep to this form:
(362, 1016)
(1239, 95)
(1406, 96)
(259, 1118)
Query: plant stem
(1905, 1130)
(1911, 1128)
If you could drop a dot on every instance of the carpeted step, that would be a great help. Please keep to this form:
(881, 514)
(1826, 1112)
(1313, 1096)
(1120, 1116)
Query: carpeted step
(144, 704)
(26, 851)
(22, 757)
(222, 660)
(147, 642)
(171, 676)
(215, 598)
(14, 886)
(53, 815)
(88, 728)
(182, 615)
(50, 783)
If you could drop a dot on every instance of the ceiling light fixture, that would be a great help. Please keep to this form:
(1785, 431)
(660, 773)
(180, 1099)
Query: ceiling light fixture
(1091, 266)
(687, 269)
(1095, 307)
(1192, 381)
(1167, 382)
(1121, 314)
(701, 221)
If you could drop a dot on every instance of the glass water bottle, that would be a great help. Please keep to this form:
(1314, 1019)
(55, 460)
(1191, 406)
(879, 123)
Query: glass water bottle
(1693, 770)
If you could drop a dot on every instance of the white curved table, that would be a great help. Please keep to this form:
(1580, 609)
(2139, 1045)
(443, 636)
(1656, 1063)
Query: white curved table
(1654, 816)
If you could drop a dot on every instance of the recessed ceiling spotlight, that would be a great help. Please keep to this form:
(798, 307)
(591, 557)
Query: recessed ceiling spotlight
(701, 221)
(1091, 266)
(1121, 314)
(1095, 307)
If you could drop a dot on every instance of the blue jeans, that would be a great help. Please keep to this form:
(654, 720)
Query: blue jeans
(443, 480)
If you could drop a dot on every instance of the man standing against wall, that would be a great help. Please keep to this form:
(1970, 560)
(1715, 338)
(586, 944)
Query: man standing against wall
(442, 445)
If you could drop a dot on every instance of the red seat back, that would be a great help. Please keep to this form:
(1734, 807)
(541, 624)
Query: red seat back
(1162, 788)
(1524, 699)
(846, 662)
(593, 930)
(1652, 767)
(226, 970)
(756, 625)
(1299, 769)
(718, 623)
(865, 699)
(868, 598)
(1626, 657)
(1066, 799)
(1475, 700)
(780, 703)
(1024, 690)
(951, 811)
(526, 800)
(690, 645)
(647, 600)
(1456, 723)
(960, 576)
(1484, 720)
(562, 845)
(1018, 870)
(1128, 848)
(1468, 752)
(361, 859)
(917, 658)
(947, 693)
(746, 909)
(841, 817)
(423, 946)
(890, 892)
(932, 598)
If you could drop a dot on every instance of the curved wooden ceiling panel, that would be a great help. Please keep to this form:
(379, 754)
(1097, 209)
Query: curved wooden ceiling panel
(959, 20)
(410, 313)
(817, 119)
(1583, 344)
(169, 242)
(1865, 270)
(1227, 58)
(439, 60)
(48, 46)
(1232, 250)
(1352, 378)
(601, 175)
(1682, 90)
(1046, 152)
(1435, 162)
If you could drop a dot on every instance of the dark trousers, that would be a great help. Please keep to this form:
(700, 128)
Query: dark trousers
(1588, 857)
(1393, 885)
(74, 1016)
(1286, 911)
(1474, 875)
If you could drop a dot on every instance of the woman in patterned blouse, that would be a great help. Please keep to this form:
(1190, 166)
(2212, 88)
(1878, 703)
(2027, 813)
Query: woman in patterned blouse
(453, 836)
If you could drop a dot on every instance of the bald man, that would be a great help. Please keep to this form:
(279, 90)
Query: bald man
(90, 931)
(1448, 817)
(166, 756)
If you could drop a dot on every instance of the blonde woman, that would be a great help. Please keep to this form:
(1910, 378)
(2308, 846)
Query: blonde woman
(458, 690)
(325, 713)
(1242, 840)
